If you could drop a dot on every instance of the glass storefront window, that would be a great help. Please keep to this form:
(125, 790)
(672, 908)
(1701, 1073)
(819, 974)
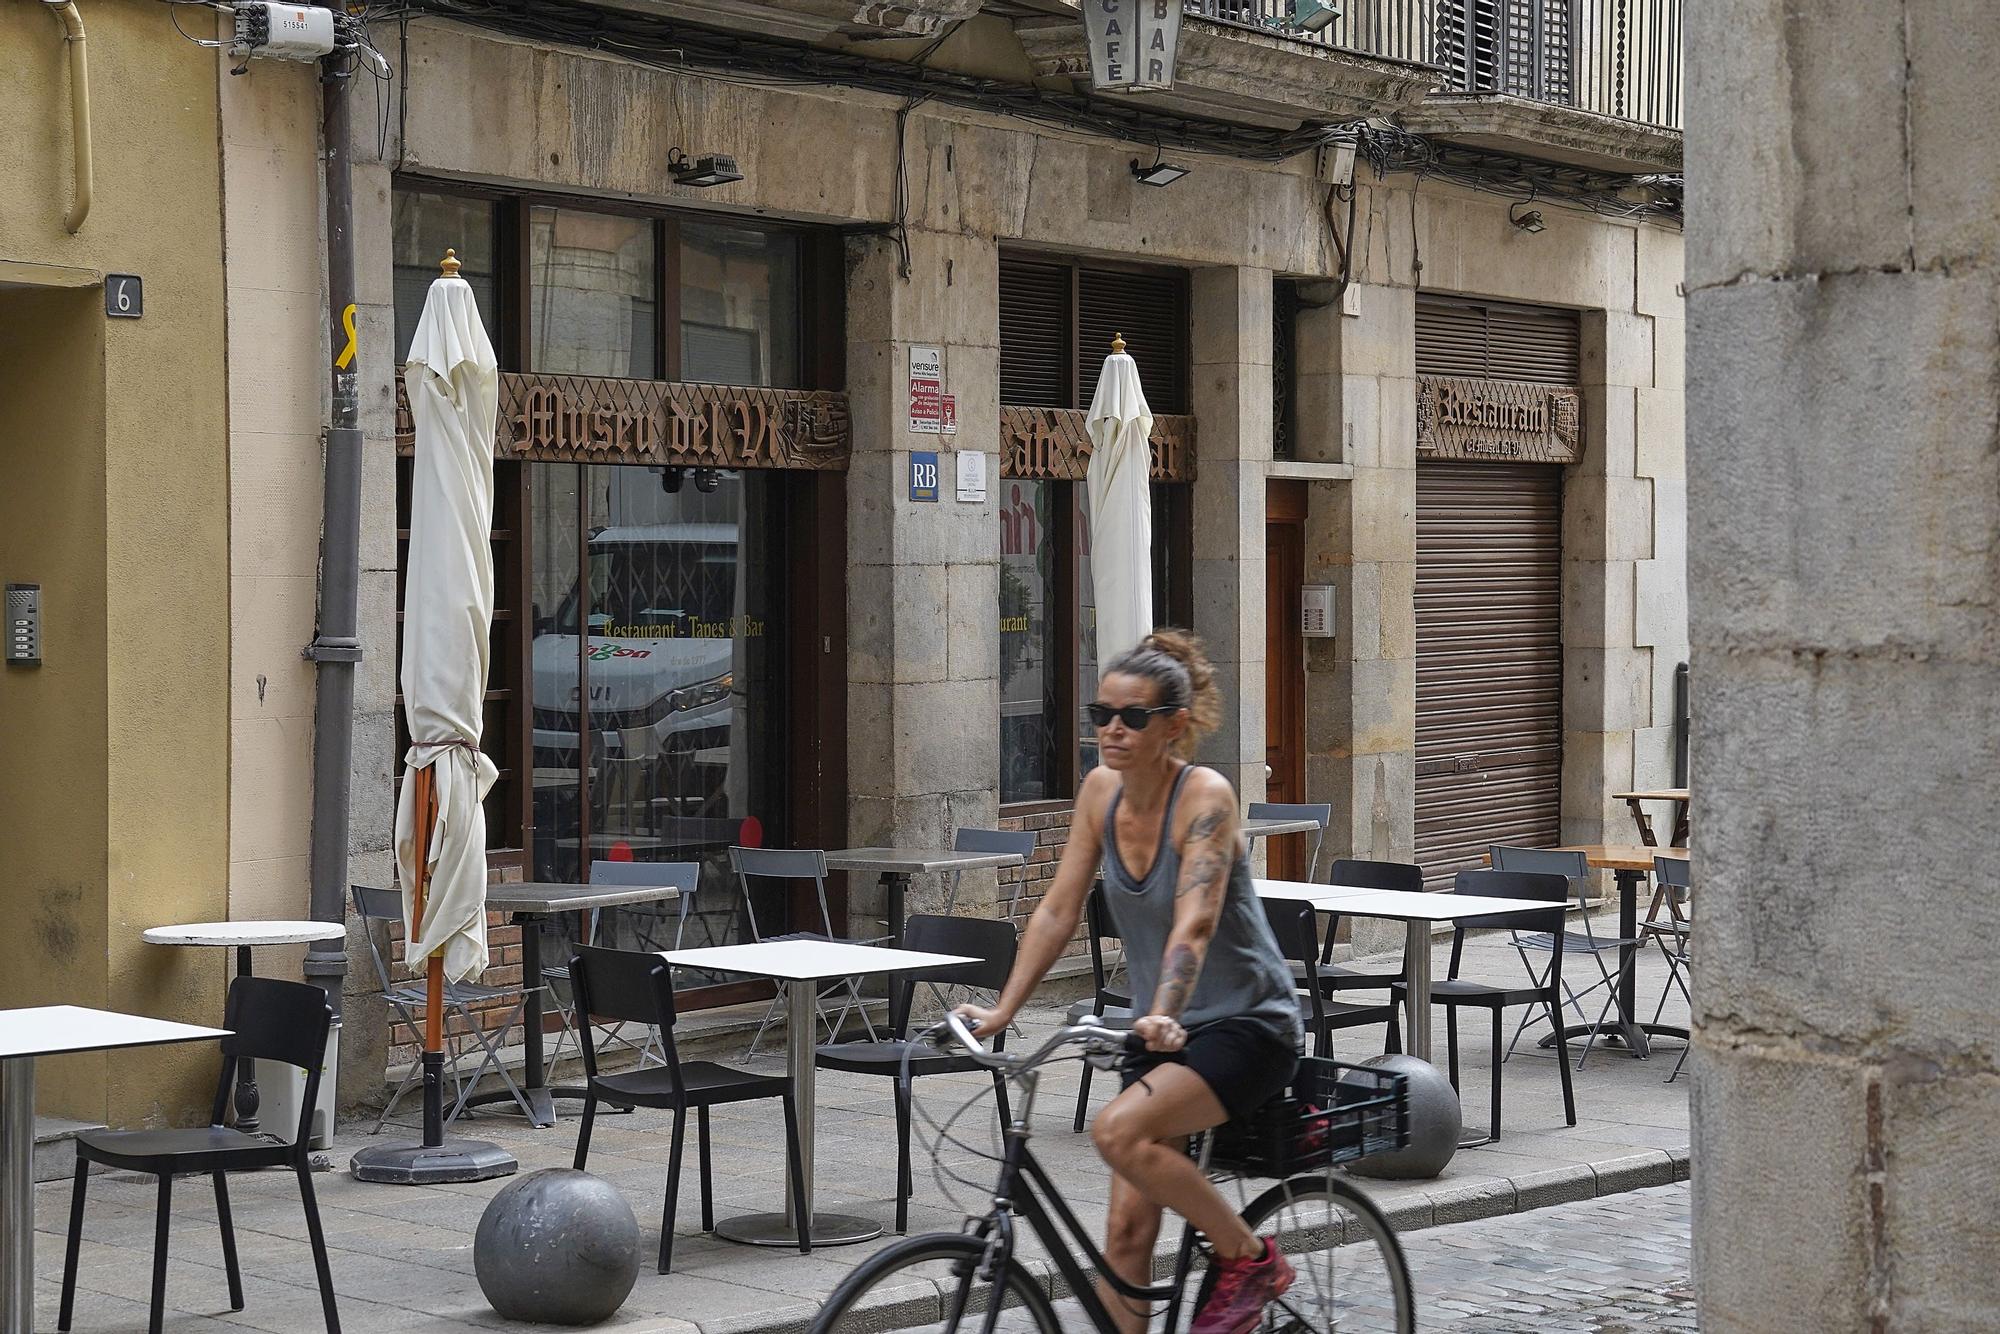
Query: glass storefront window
(422, 227)
(739, 305)
(654, 652)
(594, 278)
(1028, 681)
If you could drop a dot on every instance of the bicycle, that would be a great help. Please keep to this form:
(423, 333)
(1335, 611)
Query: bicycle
(947, 1281)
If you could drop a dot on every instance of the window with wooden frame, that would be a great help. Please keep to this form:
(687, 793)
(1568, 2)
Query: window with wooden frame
(1057, 319)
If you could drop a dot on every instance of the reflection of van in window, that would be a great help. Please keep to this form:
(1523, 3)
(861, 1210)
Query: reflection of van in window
(663, 617)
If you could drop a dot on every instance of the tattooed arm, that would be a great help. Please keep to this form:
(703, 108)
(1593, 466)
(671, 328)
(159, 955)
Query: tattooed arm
(1208, 849)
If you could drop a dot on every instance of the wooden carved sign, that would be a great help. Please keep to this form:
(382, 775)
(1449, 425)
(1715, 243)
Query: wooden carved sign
(596, 419)
(1498, 419)
(1052, 444)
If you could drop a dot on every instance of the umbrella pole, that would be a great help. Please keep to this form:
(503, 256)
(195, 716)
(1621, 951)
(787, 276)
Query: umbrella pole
(433, 1057)
(433, 1160)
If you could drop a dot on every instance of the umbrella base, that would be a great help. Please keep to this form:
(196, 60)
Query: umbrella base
(419, 1165)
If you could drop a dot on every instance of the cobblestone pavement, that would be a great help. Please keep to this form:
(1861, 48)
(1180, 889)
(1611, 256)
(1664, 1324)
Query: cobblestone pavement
(1605, 1266)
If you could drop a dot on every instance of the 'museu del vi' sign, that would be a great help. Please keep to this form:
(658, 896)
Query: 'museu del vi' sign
(1132, 44)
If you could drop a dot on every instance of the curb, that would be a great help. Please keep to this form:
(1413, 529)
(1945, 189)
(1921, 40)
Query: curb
(1437, 1208)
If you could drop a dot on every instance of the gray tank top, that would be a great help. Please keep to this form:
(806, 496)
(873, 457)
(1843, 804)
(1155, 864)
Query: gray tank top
(1244, 975)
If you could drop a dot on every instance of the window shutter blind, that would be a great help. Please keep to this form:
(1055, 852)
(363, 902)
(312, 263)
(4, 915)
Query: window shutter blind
(1035, 313)
(1150, 309)
(1498, 342)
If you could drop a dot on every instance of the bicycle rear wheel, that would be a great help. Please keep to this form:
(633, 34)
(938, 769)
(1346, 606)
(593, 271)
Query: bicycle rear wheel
(1351, 1276)
(931, 1284)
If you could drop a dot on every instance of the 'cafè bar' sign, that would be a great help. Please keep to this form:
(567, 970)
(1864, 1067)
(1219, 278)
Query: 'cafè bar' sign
(1503, 420)
(1132, 44)
(595, 419)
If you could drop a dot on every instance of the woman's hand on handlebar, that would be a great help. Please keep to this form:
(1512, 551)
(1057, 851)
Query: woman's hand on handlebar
(1161, 1032)
(985, 1022)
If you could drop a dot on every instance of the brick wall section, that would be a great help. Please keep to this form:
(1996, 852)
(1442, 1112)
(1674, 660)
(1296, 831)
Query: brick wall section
(1051, 830)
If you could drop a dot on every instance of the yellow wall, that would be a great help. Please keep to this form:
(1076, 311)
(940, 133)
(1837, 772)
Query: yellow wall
(114, 756)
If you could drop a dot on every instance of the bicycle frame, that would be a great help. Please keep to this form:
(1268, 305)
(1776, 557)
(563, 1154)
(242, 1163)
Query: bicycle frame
(1025, 1189)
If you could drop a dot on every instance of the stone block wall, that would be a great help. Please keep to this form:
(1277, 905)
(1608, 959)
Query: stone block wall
(1843, 476)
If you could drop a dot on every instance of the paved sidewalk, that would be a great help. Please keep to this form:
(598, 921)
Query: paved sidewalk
(402, 1257)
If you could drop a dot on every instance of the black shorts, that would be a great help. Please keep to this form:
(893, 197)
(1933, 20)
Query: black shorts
(1242, 1061)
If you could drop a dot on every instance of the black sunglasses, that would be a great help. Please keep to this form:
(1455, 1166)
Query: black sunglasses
(1135, 716)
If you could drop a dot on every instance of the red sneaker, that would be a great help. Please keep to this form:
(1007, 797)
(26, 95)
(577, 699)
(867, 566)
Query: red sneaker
(1243, 1288)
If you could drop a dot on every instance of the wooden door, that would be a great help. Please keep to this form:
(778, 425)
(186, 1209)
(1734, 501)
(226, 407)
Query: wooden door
(1285, 667)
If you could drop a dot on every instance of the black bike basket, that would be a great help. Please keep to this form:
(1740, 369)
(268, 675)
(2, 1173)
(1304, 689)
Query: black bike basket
(1335, 1113)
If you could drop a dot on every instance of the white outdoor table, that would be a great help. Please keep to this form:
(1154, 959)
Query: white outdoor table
(1418, 911)
(897, 865)
(533, 899)
(804, 964)
(243, 937)
(49, 1030)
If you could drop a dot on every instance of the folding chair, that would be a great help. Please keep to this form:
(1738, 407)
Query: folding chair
(1574, 867)
(1019, 842)
(646, 920)
(791, 865)
(1670, 874)
(1321, 812)
(408, 1001)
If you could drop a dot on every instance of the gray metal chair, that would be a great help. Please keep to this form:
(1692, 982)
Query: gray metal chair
(1018, 842)
(1575, 867)
(792, 865)
(408, 1001)
(1671, 875)
(647, 922)
(1320, 812)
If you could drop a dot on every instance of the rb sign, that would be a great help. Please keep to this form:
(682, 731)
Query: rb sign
(923, 476)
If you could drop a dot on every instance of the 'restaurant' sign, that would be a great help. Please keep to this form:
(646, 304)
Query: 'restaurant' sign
(1132, 44)
(1460, 418)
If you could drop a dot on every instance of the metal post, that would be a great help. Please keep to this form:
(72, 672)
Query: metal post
(17, 1195)
(1417, 971)
(336, 649)
(1682, 720)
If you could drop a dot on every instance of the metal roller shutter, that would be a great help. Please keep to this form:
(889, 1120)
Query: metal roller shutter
(1498, 342)
(1489, 662)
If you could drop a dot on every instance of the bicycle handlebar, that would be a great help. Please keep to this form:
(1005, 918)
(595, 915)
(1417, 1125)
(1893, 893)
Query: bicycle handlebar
(1096, 1036)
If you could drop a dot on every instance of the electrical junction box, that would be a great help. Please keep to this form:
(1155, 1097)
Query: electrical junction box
(270, 31)
(1316, 611)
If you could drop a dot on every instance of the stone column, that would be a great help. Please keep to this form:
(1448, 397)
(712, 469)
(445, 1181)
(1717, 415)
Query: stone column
(1231, 355)
(1607, 533)
(923, 578)
(1844, 504)
(1361, 692)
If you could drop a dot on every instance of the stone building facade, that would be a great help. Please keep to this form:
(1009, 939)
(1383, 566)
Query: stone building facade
(728, 614)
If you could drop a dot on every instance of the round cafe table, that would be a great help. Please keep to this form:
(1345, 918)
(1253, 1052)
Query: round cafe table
(244, 936)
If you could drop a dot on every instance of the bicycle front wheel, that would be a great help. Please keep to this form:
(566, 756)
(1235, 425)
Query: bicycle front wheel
(1351, 1276)
(932, 1284)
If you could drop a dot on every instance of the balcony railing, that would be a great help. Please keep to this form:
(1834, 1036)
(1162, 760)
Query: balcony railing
(1618, 57)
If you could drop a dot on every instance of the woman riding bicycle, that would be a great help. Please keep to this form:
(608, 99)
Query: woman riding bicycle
(1213, 996)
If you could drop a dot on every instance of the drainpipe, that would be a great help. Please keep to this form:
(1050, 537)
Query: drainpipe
(336, 649)
(65, 13)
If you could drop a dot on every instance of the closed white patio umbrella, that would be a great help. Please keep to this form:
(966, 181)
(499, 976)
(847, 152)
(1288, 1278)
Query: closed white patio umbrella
(1121, 511)
(452, 380)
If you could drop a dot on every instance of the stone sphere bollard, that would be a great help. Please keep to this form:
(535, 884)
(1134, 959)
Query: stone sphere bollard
(1436, 1122)
(557, 1247)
